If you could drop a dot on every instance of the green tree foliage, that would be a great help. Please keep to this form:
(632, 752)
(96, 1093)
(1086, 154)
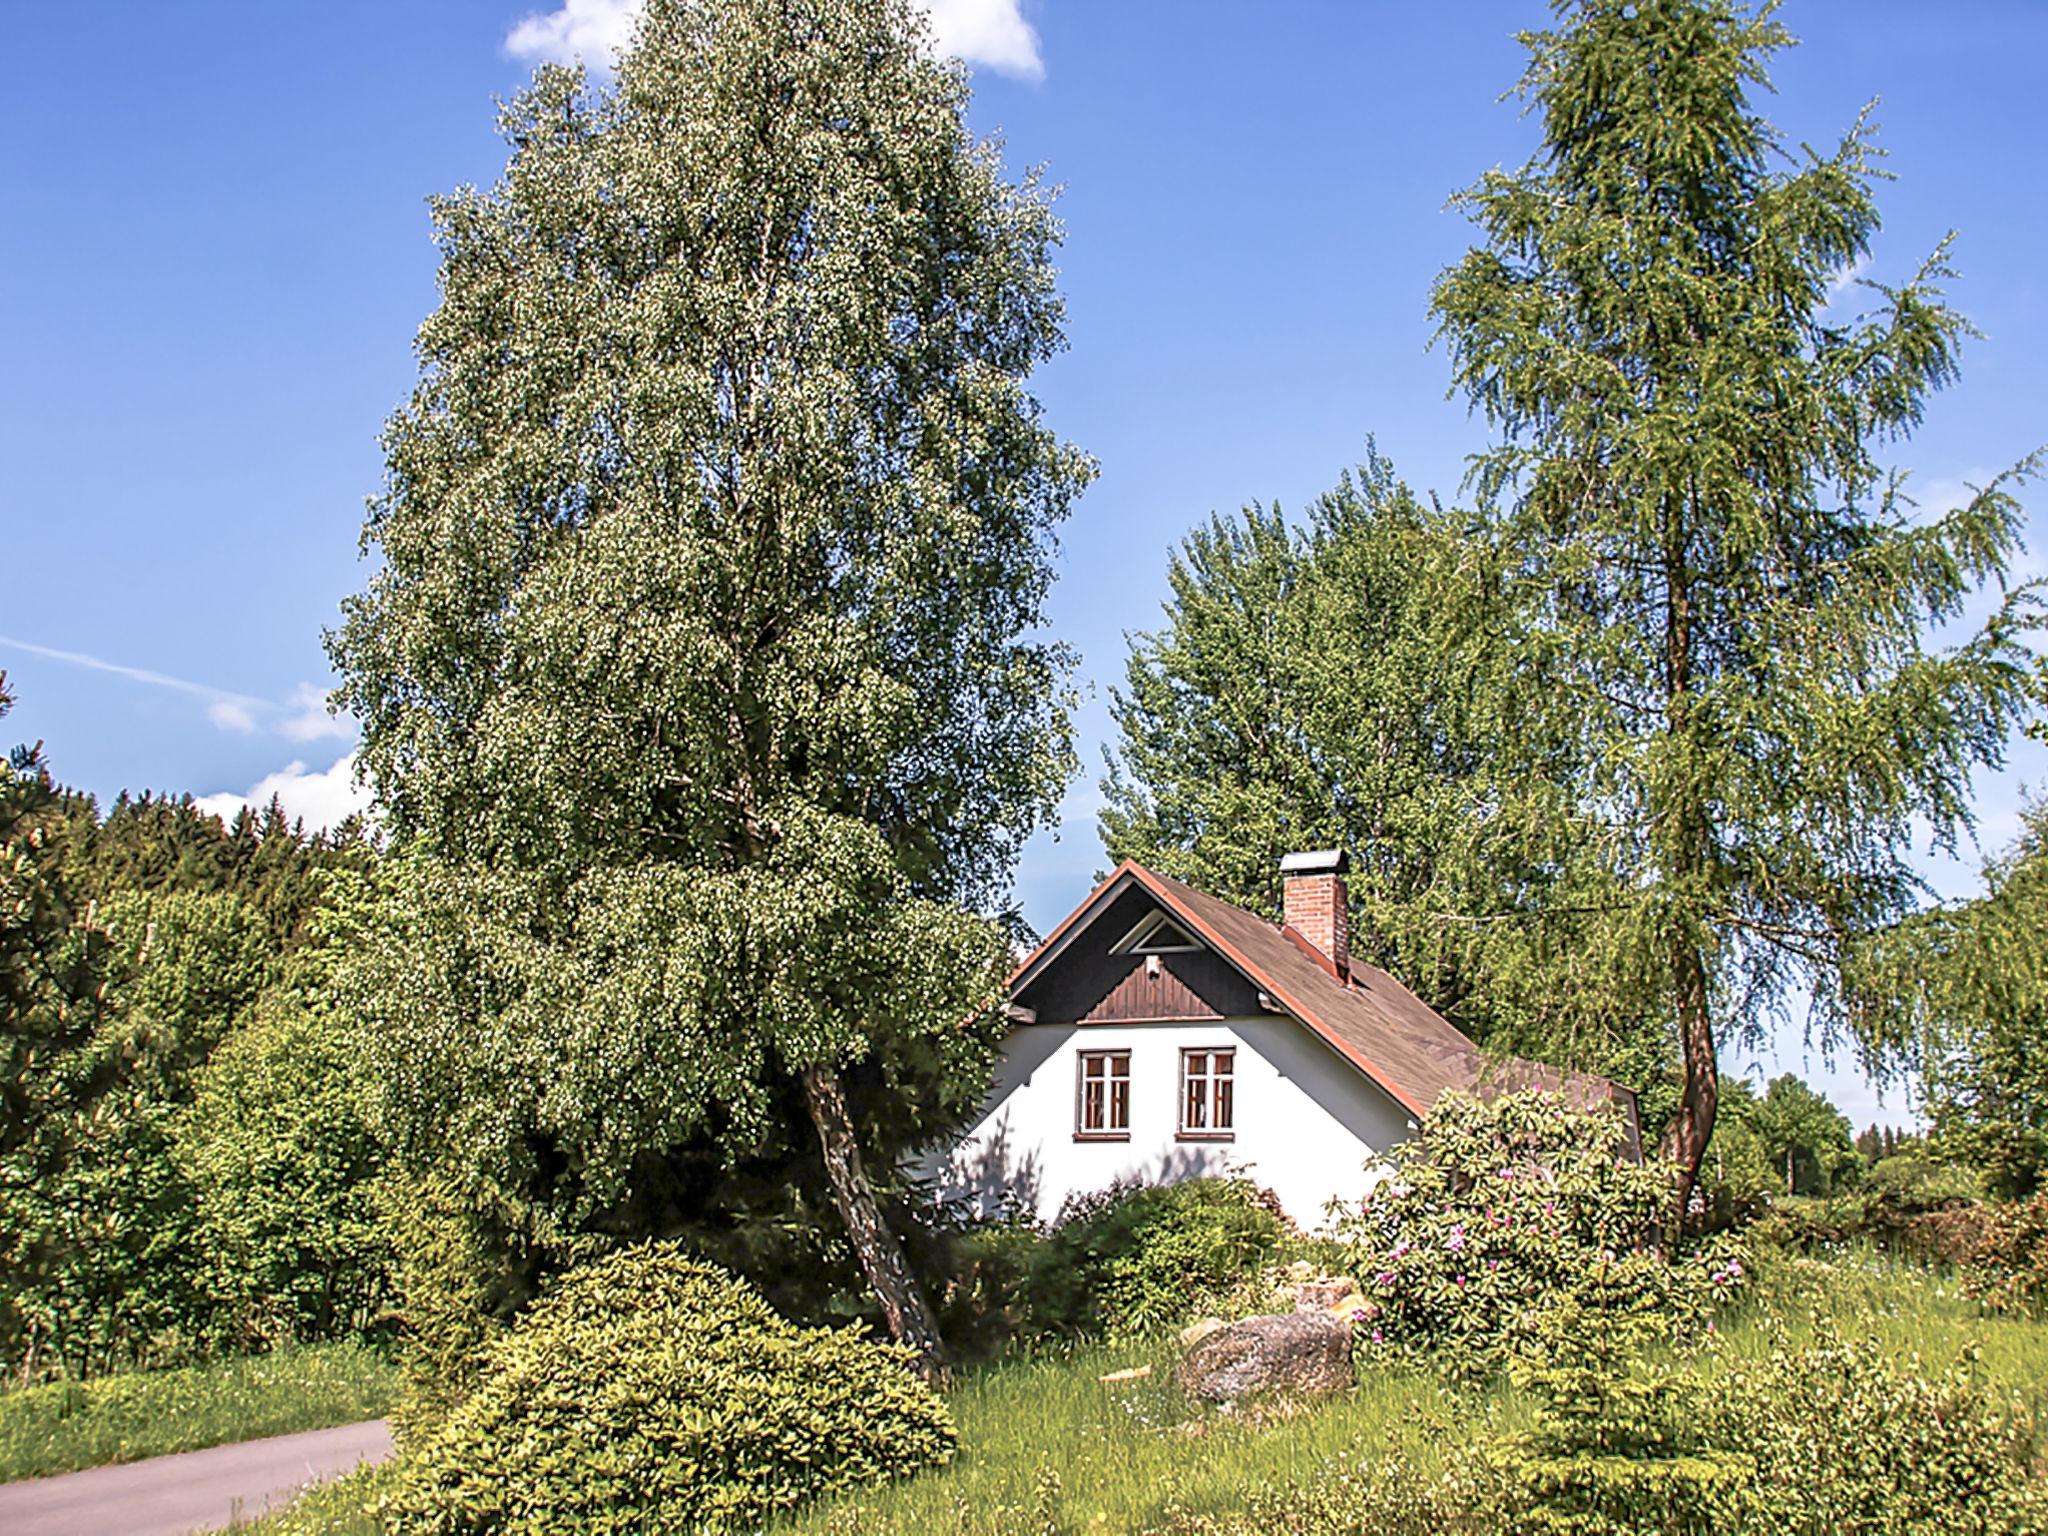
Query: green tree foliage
(276, 1147)
(1339, 684)
(1737, 1177)
(99, 1261)
(1805, 1138)
(1722, 594)
(153, 842)
(1972, 980)
(703, 656)
(651, 1392)
(134, 951)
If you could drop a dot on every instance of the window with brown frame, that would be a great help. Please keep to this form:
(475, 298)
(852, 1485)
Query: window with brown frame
(1102, 1109)
(1208, 1096)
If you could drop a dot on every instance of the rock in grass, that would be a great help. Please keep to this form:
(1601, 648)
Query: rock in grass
(1302, 1353)
(1199, 1330)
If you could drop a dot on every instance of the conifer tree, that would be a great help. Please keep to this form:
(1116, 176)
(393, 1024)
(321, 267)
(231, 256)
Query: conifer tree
(1729, 596)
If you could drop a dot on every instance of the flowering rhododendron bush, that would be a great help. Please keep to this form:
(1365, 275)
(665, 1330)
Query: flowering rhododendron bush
(1501, 1211)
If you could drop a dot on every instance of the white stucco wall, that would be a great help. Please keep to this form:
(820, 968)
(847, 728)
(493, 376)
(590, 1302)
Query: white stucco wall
(1309, 1124)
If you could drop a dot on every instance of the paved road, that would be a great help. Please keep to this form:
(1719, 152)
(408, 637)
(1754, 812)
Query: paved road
(192, 1491)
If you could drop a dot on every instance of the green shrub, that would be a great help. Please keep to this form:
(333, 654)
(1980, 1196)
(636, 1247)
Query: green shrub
(1136, 1259)
(1913, 1181)
(650, 1391)
(2008, 1267)
(1844, 1439)
(1505, 1209)
(1616, 1448)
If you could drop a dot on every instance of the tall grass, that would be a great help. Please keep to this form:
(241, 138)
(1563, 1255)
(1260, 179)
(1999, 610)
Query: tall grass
(1046, 1447)
(66, 1426)
(1045, 1444)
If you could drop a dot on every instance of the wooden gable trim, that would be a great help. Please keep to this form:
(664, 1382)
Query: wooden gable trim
(1130, 873)
(1149, 996)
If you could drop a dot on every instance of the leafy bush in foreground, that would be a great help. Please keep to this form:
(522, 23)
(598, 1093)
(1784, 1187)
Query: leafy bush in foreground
(1843, 1439)
(650, 1391)
(1505, 1209)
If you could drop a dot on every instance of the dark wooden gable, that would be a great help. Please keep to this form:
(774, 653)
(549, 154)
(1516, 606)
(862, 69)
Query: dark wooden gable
(1086, 984)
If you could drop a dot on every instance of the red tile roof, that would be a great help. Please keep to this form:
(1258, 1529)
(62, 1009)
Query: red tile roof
(1396, 1039)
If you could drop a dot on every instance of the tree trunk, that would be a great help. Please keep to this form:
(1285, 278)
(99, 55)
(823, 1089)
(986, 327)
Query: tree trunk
(881, 1255)
(1685, 1140)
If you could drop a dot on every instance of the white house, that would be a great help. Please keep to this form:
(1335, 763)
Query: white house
(1163, 1033)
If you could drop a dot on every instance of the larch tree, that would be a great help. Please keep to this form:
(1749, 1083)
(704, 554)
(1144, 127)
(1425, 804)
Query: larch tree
(705, 666)
(1729, 597)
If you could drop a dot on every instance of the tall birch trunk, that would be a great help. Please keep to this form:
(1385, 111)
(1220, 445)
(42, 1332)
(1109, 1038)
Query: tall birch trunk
(881, 1255)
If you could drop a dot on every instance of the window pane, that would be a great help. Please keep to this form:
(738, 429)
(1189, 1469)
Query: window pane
(1224, 1106)
(1225, 1062)
(1120, 1104)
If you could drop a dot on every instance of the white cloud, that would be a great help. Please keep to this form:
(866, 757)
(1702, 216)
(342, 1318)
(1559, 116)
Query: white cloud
(595, 31)
(321, 799)
(991, 32)
(312, 720)
(229, 711)
(231, 716)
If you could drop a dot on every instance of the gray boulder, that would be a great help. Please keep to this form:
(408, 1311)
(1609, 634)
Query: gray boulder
(1302, 1354)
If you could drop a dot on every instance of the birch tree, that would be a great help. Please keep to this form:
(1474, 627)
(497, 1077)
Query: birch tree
(706, 649)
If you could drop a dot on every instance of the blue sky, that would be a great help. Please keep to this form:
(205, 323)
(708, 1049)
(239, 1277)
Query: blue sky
(216, 253)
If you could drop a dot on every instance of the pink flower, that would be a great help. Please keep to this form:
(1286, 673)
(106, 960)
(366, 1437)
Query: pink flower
(1401, 1247)
(1378, 1337)
(1383, 1278)
(1461, 1282)
(1456, 1240)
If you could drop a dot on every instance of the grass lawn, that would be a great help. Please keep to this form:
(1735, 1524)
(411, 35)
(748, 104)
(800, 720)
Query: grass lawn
(1120, 1458)
(67, 1426)
(1047, 1448)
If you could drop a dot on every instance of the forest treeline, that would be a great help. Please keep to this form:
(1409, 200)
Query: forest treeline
(183, 1166)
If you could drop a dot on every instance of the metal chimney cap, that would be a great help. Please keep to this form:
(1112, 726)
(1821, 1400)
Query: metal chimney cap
(1324, 861)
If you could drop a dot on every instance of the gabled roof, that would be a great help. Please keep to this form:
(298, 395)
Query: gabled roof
(1403, 1045)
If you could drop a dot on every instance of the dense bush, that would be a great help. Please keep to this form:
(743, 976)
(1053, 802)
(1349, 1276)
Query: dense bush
(1910, 1204)
(2008, 1266)
(650, 1391)
(1503, 1210)
(1844, 1439)
(1131, 1259)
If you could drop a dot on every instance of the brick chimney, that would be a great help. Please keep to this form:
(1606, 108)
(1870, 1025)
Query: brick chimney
(1313, 904)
